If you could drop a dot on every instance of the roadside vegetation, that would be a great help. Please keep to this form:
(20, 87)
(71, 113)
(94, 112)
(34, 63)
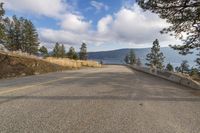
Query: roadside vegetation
(185, 24)
(22, 54)
(155, 61)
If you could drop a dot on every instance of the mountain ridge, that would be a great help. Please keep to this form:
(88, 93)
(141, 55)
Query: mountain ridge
(117, 56)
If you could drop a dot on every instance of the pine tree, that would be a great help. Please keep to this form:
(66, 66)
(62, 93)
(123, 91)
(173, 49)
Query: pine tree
(139, 63)
(169, 67)
(126, 59)
(72, 54)
(132, 57)
(198, 61)
(21, 35)
(9, 35)
(184, 66)
(155, 58)
(31, 38)
(62, 51)
(43, 50)
(83, 52)
(183, 15)
(2, 28)
(16, 36)
(56, 51)
(178, 69)
(2, 11)
(194, 72)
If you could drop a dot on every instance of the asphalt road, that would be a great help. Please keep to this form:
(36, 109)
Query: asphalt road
(113, 99)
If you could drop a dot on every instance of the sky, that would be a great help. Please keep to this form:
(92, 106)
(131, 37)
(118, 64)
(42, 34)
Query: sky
(101, 24)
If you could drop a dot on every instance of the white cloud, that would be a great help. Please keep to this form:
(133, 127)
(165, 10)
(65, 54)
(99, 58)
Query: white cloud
(129, 26)
(98, 5)
(75, 23)
(132, 25)
(55, 9)
(62, 36)
(104, 24)
(49, 8)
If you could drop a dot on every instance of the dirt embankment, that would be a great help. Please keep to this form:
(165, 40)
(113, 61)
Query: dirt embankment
(13, 66)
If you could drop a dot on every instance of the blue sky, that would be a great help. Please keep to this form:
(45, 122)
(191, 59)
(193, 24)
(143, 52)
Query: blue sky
(102, 24)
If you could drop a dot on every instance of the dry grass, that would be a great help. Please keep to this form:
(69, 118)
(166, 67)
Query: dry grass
(19, 54)
(196, 78)
(72, 63)
(75, 64)
(15, 64)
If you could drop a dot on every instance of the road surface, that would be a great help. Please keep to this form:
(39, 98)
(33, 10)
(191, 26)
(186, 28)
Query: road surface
(113, 99)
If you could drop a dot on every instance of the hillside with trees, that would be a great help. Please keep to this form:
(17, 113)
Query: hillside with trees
(22, 54)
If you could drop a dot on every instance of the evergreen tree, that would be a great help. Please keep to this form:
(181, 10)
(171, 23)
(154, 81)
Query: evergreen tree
(17, 36)
(169, 67)
(139, 63)
(132, 57)
(126, 59)
(194, 72)
(2, 11)
(2, 32)
(62, 51)
(9, 32)
(83, 52)
(30, 37)
(155, 58)
(72, 54)
(21, 35)
(56, 50)
(183, 15)
(198, 61)
(43, 50)
(178, 69)
(184, 66)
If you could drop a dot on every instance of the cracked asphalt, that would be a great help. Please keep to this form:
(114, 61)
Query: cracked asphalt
(112, 99)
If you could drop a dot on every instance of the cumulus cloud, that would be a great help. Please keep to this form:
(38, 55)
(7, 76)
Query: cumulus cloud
(98, 5)
(129, 26)
(133, 25)
(55, 9)
(74, 23)
(104, 24)
(49, 8)
(62, 36)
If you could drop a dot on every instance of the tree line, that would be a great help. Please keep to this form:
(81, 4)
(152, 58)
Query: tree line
(20, 34)
(59, 52)
(155, 60)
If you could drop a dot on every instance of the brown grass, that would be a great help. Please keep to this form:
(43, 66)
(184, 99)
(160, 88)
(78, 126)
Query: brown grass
(13, 65)
(196, 78)
(72, 63)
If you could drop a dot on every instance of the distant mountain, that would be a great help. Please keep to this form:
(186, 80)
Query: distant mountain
(117, 56)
